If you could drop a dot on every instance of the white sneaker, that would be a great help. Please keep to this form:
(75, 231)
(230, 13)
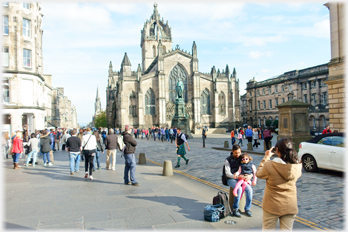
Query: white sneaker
(49, 164)
(91, 177)
(44, 164)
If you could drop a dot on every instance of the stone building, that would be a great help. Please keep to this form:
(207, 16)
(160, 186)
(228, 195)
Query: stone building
(243, 109)
(336, 80)
(306, 85)
(27, 92)
(146, 97)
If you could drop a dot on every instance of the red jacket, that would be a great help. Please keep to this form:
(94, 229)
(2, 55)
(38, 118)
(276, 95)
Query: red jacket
(326, 132)
(17, 145)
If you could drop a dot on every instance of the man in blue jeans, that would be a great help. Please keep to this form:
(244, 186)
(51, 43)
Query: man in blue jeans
(232, 164)
(130, 165)
(73, 145)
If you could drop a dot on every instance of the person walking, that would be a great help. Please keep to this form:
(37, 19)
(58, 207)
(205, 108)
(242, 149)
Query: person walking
(171, 134)
(99, 149)
(73, 147)
(180, 142)
(34, 143)
(17, 149)
(280, 194)
(130, 165)
(89, 144)
(267, 137)
(64, 138)
(233, 138)
(45, 147)
(249, 134)
(240, 137)
(255, 138)
(111, 146)
(163, 134)
(232, 164)
(80, 135)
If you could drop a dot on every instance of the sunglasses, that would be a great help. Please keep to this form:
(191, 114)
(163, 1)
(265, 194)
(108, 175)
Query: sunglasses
(245, 159)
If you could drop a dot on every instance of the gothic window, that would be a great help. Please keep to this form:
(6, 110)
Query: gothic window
(222, 103)
(205, 102)
(154, 50)
(150, 102)
(177, 73)
(132, 104)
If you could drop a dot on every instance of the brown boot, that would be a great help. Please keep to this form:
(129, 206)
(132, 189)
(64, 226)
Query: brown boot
(16, 166)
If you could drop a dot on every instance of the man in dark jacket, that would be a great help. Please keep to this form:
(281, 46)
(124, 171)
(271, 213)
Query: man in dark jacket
(111, 146)
(73, 145)
(45, 146)
(129, 156)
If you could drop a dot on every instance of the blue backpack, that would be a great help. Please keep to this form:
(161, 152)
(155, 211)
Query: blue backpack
(212, 212)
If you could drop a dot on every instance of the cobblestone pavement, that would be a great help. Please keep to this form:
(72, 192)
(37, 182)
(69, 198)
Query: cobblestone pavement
(320, 195)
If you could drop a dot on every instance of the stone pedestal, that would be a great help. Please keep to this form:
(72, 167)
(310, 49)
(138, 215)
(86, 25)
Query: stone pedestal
(226, 144)
(250, 146)
(293, 122)
(241, 202)
(142, 159)
(180, 119)
(167, 168)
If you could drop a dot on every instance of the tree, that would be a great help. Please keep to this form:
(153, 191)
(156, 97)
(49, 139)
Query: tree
(275, 123)
(268, 123)
(100, 120)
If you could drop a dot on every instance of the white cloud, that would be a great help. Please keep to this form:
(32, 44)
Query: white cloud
(256, 54)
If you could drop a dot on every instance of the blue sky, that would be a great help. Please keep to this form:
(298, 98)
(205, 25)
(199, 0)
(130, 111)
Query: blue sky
(259, 40)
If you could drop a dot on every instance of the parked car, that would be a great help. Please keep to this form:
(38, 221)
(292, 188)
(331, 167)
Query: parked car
(323, 151)
(276, 130)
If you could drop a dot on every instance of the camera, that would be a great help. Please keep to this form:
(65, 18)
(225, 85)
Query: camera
(273, 150)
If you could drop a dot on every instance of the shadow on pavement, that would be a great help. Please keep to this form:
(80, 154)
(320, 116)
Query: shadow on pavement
(11, 226)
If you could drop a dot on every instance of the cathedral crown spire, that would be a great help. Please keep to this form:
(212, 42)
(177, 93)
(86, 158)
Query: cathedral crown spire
(125, 60)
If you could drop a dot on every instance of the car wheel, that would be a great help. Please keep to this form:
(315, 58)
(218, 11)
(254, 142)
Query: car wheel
(309, 164)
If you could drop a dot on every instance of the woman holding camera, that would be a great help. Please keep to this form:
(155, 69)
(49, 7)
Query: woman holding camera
(280, 196)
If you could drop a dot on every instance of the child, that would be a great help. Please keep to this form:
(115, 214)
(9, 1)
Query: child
(240, 137)
(247, 169)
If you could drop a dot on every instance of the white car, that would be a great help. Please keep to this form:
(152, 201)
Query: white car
(324, 151)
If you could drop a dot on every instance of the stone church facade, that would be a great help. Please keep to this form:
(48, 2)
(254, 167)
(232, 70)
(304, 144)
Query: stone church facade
(146, 97)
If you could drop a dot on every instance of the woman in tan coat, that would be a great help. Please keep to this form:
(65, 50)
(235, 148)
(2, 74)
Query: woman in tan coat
(280, 196)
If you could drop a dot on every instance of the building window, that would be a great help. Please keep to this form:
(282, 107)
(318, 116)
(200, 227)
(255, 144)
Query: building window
(264, 121)
(259, 121)
(313, 102)
(270, 104)
(250, 105)
(5, 94)
(290, 87)
(150, 102)
(313, 84)
(258, 105)
(289, 98)
(320, 83)
(263, 92)
(26, 5)
(5, 4)
(5, 57)
(305, 98)
(276, 101)
(250, 94)
(26, 58)
(264, 104)
(258, 92)
(26, 27)
(5, 25)
(282, 88)
(205, 102)
(269, 89)
(132, 104)
(222, 103)
(304, 85)
(283, 100)
(276, 88)
(323, 98)
(177, 73)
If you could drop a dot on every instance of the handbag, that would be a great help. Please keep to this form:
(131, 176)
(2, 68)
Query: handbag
(212, 212)
(83, 149)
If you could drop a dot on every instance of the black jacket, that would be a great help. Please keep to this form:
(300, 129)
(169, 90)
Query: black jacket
(73, 144)
(45, 143)
(130, 143)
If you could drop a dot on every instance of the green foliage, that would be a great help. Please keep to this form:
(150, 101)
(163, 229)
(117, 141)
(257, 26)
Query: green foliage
(268, 123)
(275, 123)
(100, 120)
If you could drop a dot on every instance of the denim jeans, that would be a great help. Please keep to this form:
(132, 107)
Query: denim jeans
(130, 166)
(34, 154)
(233, 140)
(248, 191)
(96, 158)
(15, 157)
(74, 161)
(46, 156)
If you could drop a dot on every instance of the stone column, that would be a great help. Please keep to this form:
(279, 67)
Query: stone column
(16, 121)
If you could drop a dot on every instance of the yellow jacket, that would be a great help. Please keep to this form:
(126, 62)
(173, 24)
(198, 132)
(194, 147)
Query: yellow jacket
(280, 196)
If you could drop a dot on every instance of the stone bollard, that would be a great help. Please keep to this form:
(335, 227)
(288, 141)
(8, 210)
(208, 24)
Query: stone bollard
(250, 146)
(226, 144)
(167, 168)
(142, 159)
(241, 202)
(264, 145)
